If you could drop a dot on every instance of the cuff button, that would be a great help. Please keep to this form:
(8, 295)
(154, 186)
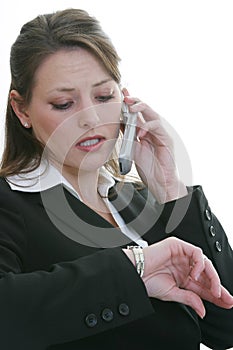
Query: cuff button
(212, 231)
(218, 246)
(107, 315)
(208, 214)
(91, 320)
(123, 309)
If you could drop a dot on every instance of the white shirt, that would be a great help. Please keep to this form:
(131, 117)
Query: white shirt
(46, 176)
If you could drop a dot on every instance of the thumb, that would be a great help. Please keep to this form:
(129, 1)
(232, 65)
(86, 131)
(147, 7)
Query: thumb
(188, 298)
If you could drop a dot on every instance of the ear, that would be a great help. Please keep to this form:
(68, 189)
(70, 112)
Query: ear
(18, 105)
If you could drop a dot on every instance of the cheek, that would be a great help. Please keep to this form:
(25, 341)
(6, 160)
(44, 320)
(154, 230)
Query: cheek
(54, 135)
(43, 123)
(59, 135)
(111, 120)
(109, 113)
(114, 131)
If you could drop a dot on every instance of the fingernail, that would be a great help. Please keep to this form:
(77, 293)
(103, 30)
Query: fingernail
(125, 91)
(140, 134)
(134, 106)
(197, 275)
(201, 314)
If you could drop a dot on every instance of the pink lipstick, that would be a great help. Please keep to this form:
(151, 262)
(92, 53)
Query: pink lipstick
(90, 143)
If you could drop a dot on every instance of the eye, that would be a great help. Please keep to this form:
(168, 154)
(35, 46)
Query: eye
(62, 106)
(104, 98)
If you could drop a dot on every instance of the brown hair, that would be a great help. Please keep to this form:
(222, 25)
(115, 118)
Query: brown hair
(39, 38)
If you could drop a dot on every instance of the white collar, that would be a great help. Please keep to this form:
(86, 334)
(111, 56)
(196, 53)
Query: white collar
(47, 176)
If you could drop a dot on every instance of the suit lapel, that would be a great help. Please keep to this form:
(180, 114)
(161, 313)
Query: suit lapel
(137, 207)
(78, 222)
(83, 225)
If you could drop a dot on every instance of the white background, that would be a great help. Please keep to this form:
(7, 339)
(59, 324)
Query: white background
(177, 56)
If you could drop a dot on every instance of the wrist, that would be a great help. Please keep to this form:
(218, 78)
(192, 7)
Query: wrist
(169, 192)
(175, 191)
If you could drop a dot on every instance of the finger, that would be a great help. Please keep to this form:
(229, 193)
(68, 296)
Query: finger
(153, 126)
(131, 100)
(141, 107)
(179, 247)
(137, 106)
(209, 278)
(215, 284)
(125, 92)
(188, 298)
(204, 292)
(195, 255)
(226, 297)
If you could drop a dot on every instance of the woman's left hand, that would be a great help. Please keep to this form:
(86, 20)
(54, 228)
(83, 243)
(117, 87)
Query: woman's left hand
(154, 153)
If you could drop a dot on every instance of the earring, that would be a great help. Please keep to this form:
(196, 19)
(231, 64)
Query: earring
(26, 124)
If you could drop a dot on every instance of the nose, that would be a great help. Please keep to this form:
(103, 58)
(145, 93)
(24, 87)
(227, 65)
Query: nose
(88, 117)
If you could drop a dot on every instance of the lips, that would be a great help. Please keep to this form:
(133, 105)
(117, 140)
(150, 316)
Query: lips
(90, 143)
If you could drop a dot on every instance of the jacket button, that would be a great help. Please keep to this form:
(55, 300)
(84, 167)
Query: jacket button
(91, 320)
(208, 214)
(218, 246)
(107, 315)
(123, 309)
(212, 231)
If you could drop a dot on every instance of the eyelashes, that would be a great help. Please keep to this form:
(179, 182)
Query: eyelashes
(67, 105)
(63, 106)
(105, 98)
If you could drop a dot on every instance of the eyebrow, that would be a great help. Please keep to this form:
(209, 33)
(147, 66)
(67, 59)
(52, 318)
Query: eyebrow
(102, 82)
(64, 89)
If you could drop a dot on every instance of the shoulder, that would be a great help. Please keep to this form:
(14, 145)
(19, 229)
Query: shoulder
(11, 199)
(3, 183)
(8, 198)
(5, 190)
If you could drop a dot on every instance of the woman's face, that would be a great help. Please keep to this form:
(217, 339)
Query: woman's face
(75, 109)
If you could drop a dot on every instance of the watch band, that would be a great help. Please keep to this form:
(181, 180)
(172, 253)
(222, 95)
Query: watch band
(139, 258)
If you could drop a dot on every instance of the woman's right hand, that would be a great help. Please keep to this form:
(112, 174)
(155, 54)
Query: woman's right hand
(178, 271)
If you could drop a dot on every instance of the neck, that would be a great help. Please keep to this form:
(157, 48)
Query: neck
(85, 183)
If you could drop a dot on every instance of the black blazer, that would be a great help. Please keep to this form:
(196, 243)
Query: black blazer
(66, 284)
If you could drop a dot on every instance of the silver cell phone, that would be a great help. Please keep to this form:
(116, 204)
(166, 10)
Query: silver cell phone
(127, 147)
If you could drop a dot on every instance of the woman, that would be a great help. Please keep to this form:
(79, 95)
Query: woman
(86, 261)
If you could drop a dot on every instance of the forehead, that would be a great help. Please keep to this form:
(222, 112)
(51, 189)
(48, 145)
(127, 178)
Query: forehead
(67, 66)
